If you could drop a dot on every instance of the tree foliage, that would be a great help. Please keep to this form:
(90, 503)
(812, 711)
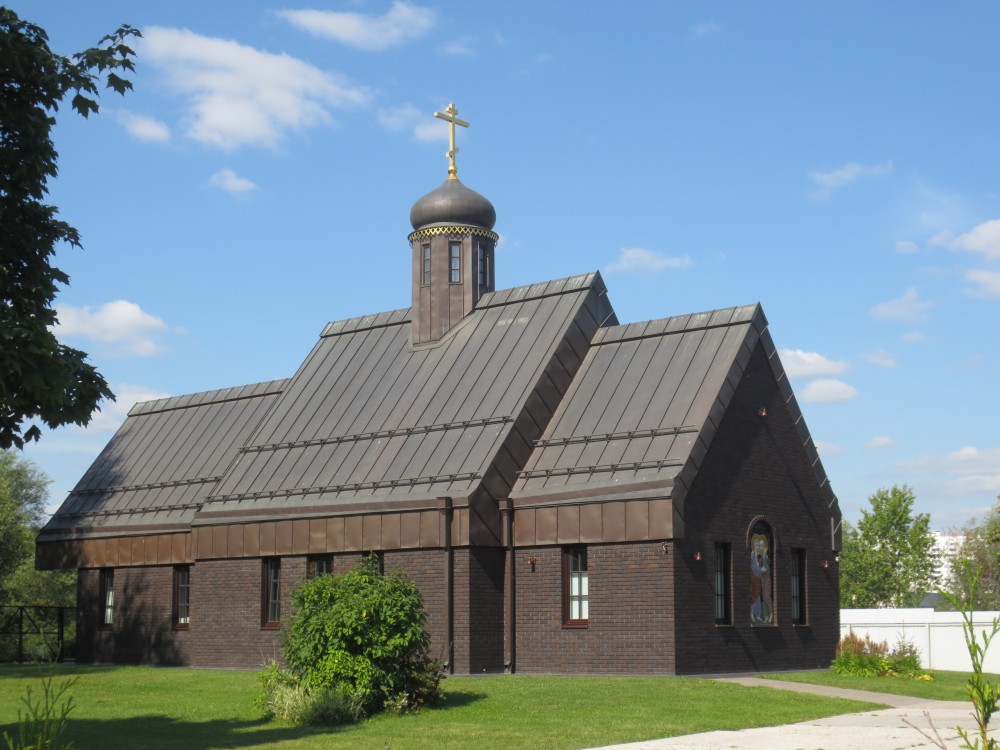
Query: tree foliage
(39, 377)
(889, 559)
(362, 632)
(980, 551)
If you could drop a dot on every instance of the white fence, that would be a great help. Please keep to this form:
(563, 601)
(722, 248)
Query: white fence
(937, 635)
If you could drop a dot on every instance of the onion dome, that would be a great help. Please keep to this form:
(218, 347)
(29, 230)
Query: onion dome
(453, 203)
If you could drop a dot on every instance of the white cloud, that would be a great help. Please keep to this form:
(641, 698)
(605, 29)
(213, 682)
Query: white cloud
(705, 28)
(464, 46)
(638, 259)
(965, 471)
(988, 283)
(881, 358)
(828, 449)
(122, 325)
(800, 364)
(228, 180)
(400, 24)
(906, 247)
(845, 175)
(826, 391)
(913, 337)
(880, 441)
(113, 413)
(242, 96)
(983, 239)
(144, 128)
(422, 126)
(909, 308)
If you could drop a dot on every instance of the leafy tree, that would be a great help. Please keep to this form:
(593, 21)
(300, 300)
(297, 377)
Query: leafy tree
(39, 377)
(980, 551)
(363, 633)
(889, 560)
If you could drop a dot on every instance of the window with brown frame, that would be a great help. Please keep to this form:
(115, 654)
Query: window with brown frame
(722, 584)
(798, 581)
(319, 565)
(107, 597)
(270, 600)
(182, 597)
(576, 588)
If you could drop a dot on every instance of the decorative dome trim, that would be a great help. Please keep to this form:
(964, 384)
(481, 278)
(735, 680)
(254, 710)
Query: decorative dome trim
(457, 230)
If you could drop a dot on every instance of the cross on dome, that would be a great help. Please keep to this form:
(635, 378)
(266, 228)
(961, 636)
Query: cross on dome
(449, 116)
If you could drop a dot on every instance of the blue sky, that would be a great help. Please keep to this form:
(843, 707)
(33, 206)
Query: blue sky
(839, 163)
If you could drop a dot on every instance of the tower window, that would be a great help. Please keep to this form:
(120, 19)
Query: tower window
(425, 274)
(484, 267)
(455, 262)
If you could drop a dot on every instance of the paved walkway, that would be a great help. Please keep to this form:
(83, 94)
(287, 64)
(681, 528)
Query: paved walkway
(885, 729)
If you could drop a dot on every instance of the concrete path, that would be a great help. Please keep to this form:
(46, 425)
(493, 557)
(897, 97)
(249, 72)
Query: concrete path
(885, 729)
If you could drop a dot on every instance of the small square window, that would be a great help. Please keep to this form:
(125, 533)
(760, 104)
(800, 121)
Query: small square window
(270, 607)
(576, 588)
(182, 597)
(319, 565)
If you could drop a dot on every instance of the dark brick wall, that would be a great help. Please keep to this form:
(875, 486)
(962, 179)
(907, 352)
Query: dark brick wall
(631, 625)
(755, 467)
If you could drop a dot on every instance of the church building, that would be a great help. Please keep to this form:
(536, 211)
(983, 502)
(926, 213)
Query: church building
(572, 494)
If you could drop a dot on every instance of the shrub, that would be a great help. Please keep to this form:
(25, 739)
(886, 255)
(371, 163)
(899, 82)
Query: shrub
(361, 634)
(285, 697)
(863, 657)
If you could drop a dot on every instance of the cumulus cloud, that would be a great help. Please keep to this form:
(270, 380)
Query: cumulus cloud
(983, 240)
(400, 24)
(881, 358)
(880, 441)
(834, 179)
(639, 259)
(909, 308)
(464, 46)
(906, 247)
(987, 283)
(124, 327)
(420, 125)
(913, 337)
(143, 128)
(827, 391)
(241, 96)
(228, 180)
(705, 28)
(965, 471)
(828, 449)
(800, 364)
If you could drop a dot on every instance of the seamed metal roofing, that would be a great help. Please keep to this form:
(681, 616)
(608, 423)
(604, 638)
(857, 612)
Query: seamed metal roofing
(159, 466)
(645, 404)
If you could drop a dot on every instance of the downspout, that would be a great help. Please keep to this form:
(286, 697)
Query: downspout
(448, 513)
(510, 584)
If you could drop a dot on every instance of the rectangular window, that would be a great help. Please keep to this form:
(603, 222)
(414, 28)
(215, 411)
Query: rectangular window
(455, 262)
(319, 565)
(425, 275)
(270, 607)
(107, 597)
(798, 586)
(576, 588)
(182, 597)
(484, 268)
(722, 585)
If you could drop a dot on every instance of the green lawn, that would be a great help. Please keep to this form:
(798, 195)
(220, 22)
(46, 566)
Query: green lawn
(946, 686)
(138, 707)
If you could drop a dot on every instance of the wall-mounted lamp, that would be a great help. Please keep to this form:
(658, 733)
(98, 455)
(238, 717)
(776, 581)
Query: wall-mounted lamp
(532, 562)
(696, 557)
(665, 547)
(824, 564)
(762, 412)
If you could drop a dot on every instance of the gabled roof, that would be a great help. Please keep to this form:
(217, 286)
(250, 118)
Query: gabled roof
(644, 406)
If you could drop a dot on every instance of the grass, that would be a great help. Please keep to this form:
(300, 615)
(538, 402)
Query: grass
(946, 686)
(146, 708)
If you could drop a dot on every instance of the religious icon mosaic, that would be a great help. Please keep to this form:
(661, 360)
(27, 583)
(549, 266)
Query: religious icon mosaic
(761, 574)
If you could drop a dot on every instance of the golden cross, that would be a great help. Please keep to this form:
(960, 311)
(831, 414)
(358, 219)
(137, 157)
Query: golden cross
(449, 116)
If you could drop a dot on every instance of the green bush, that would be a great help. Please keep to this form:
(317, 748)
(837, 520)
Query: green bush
(361, 634)
(286, 698)
(863, 657)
